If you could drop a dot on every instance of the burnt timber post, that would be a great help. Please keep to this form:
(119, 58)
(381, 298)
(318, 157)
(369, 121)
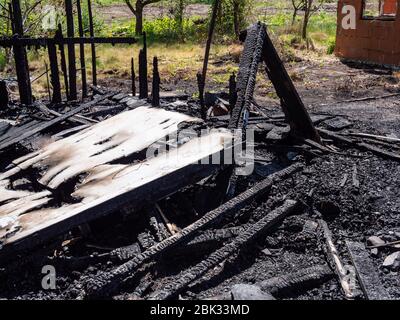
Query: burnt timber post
(59, 37)
(292, 105)
(4, 99)
(232, 91)
(155, 90)
(71, 51)
(92, 45)
(81, 50)
(133, 77)
(143, 85)
(207, 51)
(21, 60)
(54, 76)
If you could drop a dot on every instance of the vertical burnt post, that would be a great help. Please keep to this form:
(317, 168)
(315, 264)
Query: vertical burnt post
(47, 80)
(133, 76)
(92, 45)
(54, 76)
(232, 91)
(143, 85)
(21, 59)
(202, 83)
(59, 36)
(4, 99)
(71, 51)
(155, 91)
(81, 50)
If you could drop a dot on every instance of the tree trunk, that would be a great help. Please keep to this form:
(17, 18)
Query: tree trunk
(294, 16)
(307, 12)
(139, 18)
(236, 25)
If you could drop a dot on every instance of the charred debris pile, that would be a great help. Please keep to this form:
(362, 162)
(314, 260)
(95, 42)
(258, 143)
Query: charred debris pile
(79, 192)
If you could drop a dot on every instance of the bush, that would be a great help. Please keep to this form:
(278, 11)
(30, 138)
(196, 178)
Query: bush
(164, 30)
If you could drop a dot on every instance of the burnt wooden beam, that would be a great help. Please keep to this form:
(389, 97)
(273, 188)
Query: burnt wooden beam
(82, 50)
(172, 289)
(143, 85)
(107, 282)
(155, 90)
(59, 37)
(4, 98)
(20, 57)
(71, 51)
(92, 45)
(366, 271)
(55, 76)
(293, 283)
(292, 105)
(42, 42)
(248, 68)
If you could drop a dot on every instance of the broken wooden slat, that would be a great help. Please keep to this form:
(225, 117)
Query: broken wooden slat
(108, 187)
(107, 141)
(50, 123)
(344, 278)
(367, 275)
(63, 61)
(107, 282)
(263, 225)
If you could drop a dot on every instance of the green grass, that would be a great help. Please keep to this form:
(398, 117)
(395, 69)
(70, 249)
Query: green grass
(163, 30)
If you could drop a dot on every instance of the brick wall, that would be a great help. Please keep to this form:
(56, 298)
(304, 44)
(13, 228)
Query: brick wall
(374, 40)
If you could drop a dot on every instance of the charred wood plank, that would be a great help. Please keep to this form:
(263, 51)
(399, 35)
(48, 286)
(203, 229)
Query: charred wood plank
(292, 105)
(48, 124)
(298, 281)
(194, 273)
(367, 275)
(360, 145)
(107, 282)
